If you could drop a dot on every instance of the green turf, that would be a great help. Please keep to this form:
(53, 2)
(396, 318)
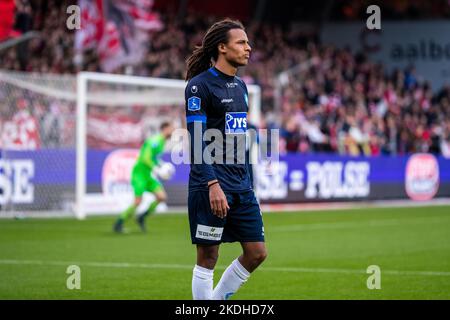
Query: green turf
(312, 255)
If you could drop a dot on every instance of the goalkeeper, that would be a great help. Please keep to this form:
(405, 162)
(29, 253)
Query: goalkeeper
(142, 179)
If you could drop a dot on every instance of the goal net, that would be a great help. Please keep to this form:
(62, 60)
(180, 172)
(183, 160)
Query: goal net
(71, 141)
(37, 144)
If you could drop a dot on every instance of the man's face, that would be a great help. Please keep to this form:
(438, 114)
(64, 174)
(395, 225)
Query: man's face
(168, 131)
(237, 50)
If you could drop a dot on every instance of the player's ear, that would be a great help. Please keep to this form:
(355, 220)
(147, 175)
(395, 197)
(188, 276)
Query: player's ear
(222, 48)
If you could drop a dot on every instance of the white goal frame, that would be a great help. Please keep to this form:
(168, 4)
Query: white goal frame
(81, 121)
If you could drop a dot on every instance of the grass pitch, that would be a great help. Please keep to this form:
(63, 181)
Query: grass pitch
(312, 255)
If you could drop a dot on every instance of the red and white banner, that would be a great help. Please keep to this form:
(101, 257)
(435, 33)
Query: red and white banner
(117, 30)
(109, 131)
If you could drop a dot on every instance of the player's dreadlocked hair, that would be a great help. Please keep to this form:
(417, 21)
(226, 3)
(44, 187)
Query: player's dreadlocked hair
(200, 60)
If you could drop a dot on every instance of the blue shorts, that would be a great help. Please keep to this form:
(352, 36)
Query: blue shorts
(242, 223)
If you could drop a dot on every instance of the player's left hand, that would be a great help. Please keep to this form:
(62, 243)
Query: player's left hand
(218, 201)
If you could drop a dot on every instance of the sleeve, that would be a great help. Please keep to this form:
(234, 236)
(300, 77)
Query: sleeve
(244, 86)
(197, 99)
(147, 155)
(156, 160)
(156, 151)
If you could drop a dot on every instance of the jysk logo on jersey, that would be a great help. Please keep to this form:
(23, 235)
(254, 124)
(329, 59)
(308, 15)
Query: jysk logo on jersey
(235, 122)
(194, 103)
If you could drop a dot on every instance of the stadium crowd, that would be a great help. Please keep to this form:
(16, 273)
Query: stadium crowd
(339, 102)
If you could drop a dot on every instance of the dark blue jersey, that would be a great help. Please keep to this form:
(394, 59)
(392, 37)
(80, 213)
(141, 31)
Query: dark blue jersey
(218, 101)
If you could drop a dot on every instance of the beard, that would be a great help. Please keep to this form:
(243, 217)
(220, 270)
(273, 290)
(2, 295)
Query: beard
(238, 63)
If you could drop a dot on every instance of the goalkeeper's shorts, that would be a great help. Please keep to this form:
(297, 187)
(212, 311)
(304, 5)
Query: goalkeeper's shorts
(243, 222)
(143, 181)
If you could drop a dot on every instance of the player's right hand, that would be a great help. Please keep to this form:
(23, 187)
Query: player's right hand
(218, 201)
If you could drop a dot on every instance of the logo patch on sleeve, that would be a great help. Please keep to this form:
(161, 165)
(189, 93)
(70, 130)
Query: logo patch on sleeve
(194, 103)
(235, 122)
(208, 233)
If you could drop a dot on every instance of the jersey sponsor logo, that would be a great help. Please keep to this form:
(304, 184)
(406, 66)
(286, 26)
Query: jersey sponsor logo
(226, 100)
(208, 232)
(422, 177)
(194, 89)
(194, 103)
(231, 85)
(235, 122)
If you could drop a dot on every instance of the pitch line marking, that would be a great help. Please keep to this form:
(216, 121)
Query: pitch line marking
(189, 267)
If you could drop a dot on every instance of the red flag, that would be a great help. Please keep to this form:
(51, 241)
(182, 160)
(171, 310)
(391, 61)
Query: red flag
(143, 18)
(118, 30)
(7, 8)
(92, 25)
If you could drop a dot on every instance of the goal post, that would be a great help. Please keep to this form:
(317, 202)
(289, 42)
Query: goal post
(68, 142)
(37, 144)
(113, 90)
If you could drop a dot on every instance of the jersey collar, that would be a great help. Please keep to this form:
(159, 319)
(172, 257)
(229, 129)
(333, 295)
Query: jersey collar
(216, 72)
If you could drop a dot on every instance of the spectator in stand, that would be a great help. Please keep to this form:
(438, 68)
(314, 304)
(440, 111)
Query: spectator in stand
(341, 103)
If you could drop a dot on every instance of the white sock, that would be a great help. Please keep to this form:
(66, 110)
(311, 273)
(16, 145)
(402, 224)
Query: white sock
(233, 277)
(202, 283)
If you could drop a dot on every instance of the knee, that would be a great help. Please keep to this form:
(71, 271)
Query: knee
(161, 197)
(211, 257)
(258, 257)
(137, 201)
(261, 256)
